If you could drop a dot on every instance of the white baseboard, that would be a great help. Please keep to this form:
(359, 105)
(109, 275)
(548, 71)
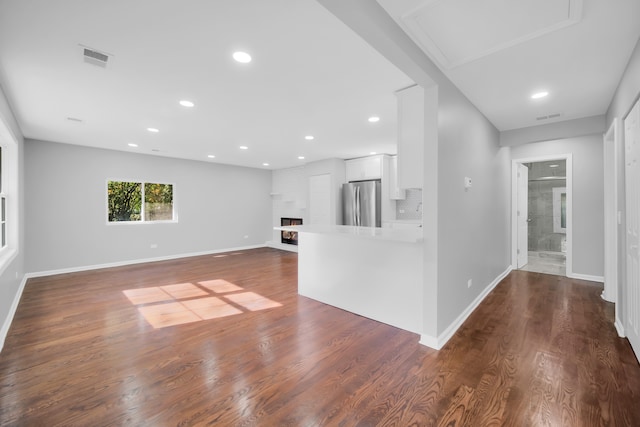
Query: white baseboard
(619, 328)
(586, 277)
(441, 340)
(282, 246)
(429, 341)
(137, 261)
(12, 312)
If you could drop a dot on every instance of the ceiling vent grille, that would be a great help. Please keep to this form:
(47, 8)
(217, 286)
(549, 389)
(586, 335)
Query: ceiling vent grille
(94, 57)
(550, 116)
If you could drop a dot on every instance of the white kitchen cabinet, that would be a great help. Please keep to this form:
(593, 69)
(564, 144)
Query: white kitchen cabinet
(364, 168)
(395, 192)
(410, 137)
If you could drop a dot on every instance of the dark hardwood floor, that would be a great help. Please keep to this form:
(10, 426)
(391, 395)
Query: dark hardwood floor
(541, 350)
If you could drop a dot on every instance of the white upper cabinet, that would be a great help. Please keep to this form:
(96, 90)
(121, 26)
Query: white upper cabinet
(395, 192)
(364, 168)
(410, 137)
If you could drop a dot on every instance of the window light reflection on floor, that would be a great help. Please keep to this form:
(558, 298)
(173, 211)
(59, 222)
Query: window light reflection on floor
(181, 303)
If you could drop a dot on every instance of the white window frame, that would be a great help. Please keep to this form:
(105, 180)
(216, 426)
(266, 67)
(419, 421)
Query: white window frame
(9, 193)
(143, 220)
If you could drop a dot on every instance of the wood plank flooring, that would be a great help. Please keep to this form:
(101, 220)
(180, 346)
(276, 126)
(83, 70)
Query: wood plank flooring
(246, 350)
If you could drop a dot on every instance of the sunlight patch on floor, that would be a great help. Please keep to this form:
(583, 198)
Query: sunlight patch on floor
(181, 303)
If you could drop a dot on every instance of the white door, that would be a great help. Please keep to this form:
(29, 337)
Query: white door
(632, 181)
(523, 214)
(320, 199)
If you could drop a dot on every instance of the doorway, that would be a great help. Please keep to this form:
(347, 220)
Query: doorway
(541, 217)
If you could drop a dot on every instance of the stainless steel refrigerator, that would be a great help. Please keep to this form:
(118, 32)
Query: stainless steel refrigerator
(361, 203)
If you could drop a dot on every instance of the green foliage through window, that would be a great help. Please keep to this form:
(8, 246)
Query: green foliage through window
(158, 202)
(136, 201)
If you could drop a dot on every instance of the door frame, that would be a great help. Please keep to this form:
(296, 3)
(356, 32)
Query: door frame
(612, 151)
(568, 158)
(522, 199)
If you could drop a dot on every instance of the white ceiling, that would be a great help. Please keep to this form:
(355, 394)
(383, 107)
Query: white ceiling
(499, 52)
(310, 74)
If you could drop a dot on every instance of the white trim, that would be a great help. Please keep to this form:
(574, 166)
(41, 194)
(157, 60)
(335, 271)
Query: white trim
(568, 158)
(137, 261)
(588, 277)
(612, 151)
(443, 338)
(429, 341)
(10, 174)
(619, 328)
(281, 246)
(12, 312)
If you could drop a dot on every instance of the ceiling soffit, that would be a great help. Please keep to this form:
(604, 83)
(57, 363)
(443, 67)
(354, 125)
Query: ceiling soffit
(481, 28)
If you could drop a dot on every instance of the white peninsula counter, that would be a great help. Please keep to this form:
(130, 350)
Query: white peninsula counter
(373, 272)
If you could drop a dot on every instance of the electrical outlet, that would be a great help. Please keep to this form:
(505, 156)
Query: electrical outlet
(469, 283)
(154, 246)
(246, 236)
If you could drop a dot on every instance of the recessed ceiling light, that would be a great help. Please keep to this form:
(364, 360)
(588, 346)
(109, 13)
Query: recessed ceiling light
(186, 103)
(539, 95)
(265, 164)
(211, 156)
(374, 119)
(132, 144)
(244, 147)
(153, 130)
(308, 137)
(242, 57)
(553, 166)
(300, 157)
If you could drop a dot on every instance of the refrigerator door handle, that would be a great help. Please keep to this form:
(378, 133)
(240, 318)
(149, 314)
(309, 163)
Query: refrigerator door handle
(353, 205)
(357, 222)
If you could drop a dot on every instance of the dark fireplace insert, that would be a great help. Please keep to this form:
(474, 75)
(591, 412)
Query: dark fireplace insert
(290, 237)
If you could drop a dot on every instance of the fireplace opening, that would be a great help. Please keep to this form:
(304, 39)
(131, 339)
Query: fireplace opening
(289, 237)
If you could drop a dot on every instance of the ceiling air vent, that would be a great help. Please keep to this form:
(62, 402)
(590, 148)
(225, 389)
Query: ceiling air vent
(94, 57)
(550, 116)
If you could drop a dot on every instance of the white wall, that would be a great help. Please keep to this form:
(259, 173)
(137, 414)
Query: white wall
(588, 196)
(11, 277)
(626, 94)
(289, 198)
(335, 168)
(466, 233)
(217, 206)
(473, 225)
(553, 131)
(628, 89)
(290, 193)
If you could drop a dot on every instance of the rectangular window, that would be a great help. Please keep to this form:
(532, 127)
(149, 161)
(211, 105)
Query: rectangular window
(139, 201)
(158, 202)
